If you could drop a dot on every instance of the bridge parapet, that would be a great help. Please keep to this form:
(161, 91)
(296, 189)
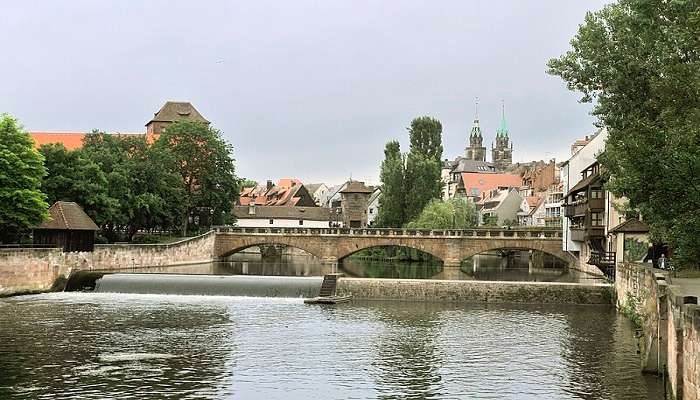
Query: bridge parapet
(517, 233)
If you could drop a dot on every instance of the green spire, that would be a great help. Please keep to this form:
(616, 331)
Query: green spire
(503, 128)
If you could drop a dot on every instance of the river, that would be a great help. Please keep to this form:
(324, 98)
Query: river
(108, 345)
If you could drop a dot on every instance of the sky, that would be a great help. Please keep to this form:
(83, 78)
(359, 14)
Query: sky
(305, 89)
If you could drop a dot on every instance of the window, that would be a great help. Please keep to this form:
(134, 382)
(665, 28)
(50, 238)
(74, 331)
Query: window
(301, 222)
(596, 219)
(272, 221)
(475, 192)
(371, 210)
(596, 193)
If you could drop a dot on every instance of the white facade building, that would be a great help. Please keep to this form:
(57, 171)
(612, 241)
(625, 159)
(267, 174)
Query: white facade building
(282, 217)
(571, 175)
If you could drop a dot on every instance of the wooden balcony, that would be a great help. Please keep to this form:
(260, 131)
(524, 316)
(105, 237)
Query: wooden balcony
(582, 234)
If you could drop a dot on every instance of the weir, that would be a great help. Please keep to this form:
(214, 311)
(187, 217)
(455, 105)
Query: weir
(210, 285)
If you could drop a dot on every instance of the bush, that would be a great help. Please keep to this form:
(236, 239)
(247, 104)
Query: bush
(145, 239)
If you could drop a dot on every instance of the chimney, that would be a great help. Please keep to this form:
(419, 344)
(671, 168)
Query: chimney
(269, 185)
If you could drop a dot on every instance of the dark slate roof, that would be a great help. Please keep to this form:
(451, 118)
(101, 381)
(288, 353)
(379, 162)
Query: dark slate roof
(466, 165)
(356, 187)
(631, 226)
(68, 215)
(177, 110)
(307, 213)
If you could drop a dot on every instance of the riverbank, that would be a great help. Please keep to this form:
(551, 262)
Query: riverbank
(666, 312)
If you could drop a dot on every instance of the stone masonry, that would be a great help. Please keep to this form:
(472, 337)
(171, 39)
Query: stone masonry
(670, 325)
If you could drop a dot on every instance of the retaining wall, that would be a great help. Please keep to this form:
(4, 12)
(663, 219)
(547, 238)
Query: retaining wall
(669, 329)
(474, 291)
(38, 270)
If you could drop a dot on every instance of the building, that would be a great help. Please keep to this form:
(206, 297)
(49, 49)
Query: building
(531, 211)
(451, 174)
(288, 192)
(373, 206)
(318, 191)
(474, 185)
(552, 205)
(502, 151)
(476, 150)
(68, 227)
(500, 207)
(540, 176)
(170, 112)
(353, 203)
(282, 217)
(630, 241)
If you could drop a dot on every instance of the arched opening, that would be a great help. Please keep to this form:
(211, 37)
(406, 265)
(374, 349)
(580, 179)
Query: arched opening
(390, 262)
(520, 264)
(272, 259)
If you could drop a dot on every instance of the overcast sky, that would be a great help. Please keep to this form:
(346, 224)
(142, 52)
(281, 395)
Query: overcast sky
(307, 89)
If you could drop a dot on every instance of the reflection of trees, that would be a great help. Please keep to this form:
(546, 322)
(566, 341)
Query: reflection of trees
(601, 356)
(390, 269)
(407, 363)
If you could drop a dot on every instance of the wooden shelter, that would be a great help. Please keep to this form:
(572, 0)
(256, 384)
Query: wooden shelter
(68, 227)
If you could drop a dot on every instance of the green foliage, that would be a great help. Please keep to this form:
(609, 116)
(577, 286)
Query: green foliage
(640, 59)
(393, 198)
(205, 166)
(423, 164)
(145, 239)
(630, 309)
(143, 189)
(22, 204)
(73, 177)
(457, 213)
(247, 183)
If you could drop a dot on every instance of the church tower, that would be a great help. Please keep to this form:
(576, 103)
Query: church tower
(476, 151)
(502, 152)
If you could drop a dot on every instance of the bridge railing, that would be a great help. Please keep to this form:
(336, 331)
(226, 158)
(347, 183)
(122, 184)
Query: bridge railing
(515, 233)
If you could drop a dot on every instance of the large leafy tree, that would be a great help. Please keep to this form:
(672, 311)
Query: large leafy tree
(640, 61)
(22, 204)
(73, 177)
(205, 165)
(423, 165)
(142, 180)
(392, 200)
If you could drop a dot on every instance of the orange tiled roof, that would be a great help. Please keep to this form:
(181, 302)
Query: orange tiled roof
(485, 182)
(71, 140)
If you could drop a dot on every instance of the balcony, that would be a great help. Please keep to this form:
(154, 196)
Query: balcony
(605, 261)
(581, 234)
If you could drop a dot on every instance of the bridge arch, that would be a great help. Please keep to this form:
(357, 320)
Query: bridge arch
(554, 251)
(345, 254)
(227, 249)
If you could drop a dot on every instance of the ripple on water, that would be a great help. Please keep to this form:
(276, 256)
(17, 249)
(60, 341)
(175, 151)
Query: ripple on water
(213, 347)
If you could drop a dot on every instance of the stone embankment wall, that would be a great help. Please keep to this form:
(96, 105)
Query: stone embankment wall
(37, 270)
(474, 291)
(668, 321)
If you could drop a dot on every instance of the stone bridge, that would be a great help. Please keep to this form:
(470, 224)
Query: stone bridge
(451, 246)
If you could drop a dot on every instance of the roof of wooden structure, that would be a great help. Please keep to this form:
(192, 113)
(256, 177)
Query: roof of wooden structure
(67, 215)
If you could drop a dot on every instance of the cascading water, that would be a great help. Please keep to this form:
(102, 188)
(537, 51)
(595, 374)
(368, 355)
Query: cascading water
(210, 285)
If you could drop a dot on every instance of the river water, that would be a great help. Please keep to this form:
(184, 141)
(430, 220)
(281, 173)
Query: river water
(101, 345)
(130, 346)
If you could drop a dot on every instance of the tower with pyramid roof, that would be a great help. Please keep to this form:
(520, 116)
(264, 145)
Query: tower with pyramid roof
(502, 151)
(476, 150)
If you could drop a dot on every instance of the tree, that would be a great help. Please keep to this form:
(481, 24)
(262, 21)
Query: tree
(456, 213)
(392, 200)
(206, 168)
(142, 181)
(248, 183)
(640, 59)
(423, 165)
(73, 177)
(22, 204)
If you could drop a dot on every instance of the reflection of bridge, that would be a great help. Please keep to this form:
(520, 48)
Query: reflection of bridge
(451, 246)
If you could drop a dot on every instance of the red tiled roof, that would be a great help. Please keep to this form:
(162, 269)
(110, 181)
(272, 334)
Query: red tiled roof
(485, 182)
(71, 140)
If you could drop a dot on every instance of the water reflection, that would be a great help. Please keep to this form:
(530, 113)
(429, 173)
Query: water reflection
(519, 266)
(93, 346)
